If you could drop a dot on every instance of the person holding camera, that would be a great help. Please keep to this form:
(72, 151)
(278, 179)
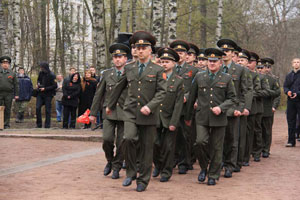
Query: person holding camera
(46, 86)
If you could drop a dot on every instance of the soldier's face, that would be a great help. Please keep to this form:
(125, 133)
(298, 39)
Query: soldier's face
(229, 55)
(182, 56)
(168, 65)
(202, 63)
(242, 61)
(235, 58)
(144, 52)
(252, 65)
(267, 69)
(119, 61)
(296, 64)
(190, 58)
(214, 65)
(5, 65)
(133, 51)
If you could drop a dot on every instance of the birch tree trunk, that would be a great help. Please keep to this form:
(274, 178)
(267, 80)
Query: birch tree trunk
(203, 34)
(16, 33)
(43, 30)
(219, 20)
(3, 36)
(118, 18)
(190, 21)
(128, 16)
(157, 20)
(172, 20)
(84, 26)
(133, 15)
(99, 33)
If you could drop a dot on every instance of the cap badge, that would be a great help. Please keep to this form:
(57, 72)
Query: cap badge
(179, 46)
(225, 46)
(212, 55)
(118, 51)
(201, 55)
(166, 55)
(141, 41)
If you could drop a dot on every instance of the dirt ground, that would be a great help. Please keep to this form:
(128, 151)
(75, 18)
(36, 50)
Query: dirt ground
(273, 178)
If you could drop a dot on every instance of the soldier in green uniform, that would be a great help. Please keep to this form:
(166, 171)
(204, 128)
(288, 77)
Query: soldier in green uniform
(215, 94)
(192, 54)
(169, 115)
(253, 111)
(187, 72)
(9, 88)
(264, 92)
(269, 108)
(243, 60)
(202, 60)
(146, 84)
(109, 79)
(239, 78)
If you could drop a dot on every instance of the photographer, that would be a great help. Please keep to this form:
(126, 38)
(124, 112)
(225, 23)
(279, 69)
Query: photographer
(46, 86)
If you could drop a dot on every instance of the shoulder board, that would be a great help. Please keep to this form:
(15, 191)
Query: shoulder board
(179, 77)
(131, 62)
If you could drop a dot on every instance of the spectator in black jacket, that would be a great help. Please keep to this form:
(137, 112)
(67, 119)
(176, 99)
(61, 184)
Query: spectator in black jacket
(25, 91)
(46, 86)
(71, 92)
(291, 88)
(88, 90)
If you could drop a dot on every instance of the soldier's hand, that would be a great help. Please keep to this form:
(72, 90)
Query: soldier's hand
(195, 105)
(108, 111)
(216, 110)
(237, 113)
(188, 122)
(172, 128)
(184, 100)
(246, 112)
(273, 110)
(145, 110)
(16, 97)
(93, 119)
(289, 93)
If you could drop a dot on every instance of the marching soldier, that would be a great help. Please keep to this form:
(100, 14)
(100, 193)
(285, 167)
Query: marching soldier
(202, 60)
(264, 92)
(215, 94)
(169, 115)
(239, 79)
(243, 60)
(9, 88)
(113, 121)
(253, 111)
(268, 102)
(192, 54)
(146, 90)
(187, 72)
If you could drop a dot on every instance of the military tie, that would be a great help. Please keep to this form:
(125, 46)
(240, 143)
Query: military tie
(119, 74)
(178, 68)
(141, 69)
(225, 70)
(212, 76)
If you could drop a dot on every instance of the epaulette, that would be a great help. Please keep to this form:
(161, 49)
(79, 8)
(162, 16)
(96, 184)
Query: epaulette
(131, 62)
(105, 70)
(179, 77)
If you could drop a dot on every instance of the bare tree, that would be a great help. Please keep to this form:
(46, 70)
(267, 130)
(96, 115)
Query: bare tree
(99, 33)
(219, 20)
(157, 20)
(203, 33)
(133, 15)
(172, 20)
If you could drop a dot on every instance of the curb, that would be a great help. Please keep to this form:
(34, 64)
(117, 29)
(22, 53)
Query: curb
(85, 138)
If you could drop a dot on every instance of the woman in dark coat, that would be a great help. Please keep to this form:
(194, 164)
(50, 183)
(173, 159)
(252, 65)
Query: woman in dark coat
(88, 90)
(71, 91)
